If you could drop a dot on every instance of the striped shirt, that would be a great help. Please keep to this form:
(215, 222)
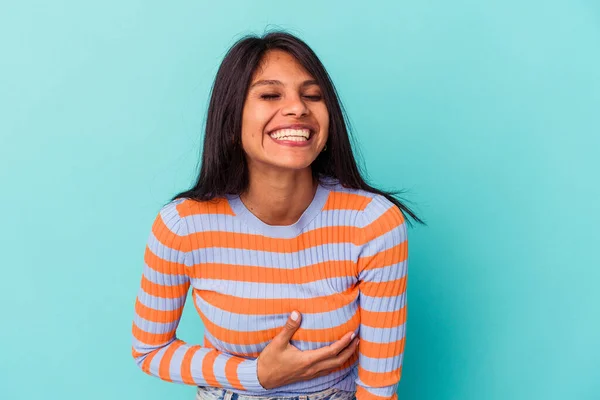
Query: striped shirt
(342, 265)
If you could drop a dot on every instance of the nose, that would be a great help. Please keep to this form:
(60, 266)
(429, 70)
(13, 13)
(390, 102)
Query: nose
(294, 105)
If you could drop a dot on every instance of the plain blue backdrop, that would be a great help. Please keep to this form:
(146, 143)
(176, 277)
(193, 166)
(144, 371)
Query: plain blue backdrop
(486, 111)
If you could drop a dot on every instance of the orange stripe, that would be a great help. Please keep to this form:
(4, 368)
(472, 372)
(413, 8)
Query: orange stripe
(147, 361)
(186, 365)
(231, 367)
(191, 207)
(163, 266)
(163, 317)
(254, 337)
(247, 306)
(330, 234)
(325, 235)
(384, 289)
(346, 201)
(209, 345)
(363, 394)
(164, 291)
(245, 241)
(335, 201)
(383, 319)
(391, 256)
(154, 339)
(136, 354)
(379, 378)
(164, 368)
(207, 368)
(381, 350)
(246, 273)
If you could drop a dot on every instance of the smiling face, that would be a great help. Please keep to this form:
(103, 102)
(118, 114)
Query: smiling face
(285, 121)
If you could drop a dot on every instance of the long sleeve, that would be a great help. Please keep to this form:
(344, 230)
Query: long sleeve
(382, 274)
(158, 308)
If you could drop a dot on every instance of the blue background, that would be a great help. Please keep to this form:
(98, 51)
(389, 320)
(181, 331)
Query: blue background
(488, 112)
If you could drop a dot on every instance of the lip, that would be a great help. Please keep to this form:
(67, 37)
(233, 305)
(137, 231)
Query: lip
(303, 143)
(310, 127)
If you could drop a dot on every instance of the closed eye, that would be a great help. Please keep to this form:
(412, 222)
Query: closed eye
(275, 96)
(269, 96)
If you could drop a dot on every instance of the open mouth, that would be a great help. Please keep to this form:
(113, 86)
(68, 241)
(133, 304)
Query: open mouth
(292, 135)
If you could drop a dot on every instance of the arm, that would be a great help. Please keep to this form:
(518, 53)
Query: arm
(159, 304)
(382, 269)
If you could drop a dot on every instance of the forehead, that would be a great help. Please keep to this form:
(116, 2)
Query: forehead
(281, 65)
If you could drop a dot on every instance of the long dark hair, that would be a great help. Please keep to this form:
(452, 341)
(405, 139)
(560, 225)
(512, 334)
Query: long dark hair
(224, 169)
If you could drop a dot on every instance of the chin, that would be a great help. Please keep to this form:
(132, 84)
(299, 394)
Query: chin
(292, 164)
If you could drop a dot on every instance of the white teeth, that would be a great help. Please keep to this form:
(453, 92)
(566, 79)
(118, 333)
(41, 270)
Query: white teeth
(293, 138)
(295, 135)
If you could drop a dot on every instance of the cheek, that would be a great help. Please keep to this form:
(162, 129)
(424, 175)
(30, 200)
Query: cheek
(249, 124)
(254, 120)
(323, 118)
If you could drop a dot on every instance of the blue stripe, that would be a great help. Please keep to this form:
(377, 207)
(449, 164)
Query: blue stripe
(381, 364)
(382, 335)
(385, 391)
(142, 347)
(384, 274)
(155, 363)
(231, 223)
(382, 304)
(164, 252)
(219, 369)
(384, 242)
(176, 361)
(159, 303)
(154, 327)
(291, 260)
(163, 279)
(231, 348)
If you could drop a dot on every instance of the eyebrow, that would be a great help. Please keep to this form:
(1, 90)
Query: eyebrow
(279, 83)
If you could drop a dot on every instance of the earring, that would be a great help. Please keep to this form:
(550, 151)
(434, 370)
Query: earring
(324, 148)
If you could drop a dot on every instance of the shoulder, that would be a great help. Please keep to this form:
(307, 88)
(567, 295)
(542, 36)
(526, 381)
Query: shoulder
(177, 220)
(169, 226)
(184, 216)
(177, 211)
(371, 207)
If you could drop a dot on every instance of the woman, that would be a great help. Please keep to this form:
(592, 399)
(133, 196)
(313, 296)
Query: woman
(290, 254)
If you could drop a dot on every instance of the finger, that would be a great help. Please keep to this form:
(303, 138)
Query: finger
(326, 367)
(341, 358)
(327, 352)
(291, 326)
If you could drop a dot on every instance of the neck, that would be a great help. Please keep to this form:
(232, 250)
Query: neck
(279, 197)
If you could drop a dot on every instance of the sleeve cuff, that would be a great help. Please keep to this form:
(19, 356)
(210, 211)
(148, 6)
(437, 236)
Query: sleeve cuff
(248, 375)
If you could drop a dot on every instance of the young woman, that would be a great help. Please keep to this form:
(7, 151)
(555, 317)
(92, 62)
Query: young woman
(291, 256)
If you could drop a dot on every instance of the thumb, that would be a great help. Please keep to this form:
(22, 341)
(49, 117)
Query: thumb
(290, 326)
